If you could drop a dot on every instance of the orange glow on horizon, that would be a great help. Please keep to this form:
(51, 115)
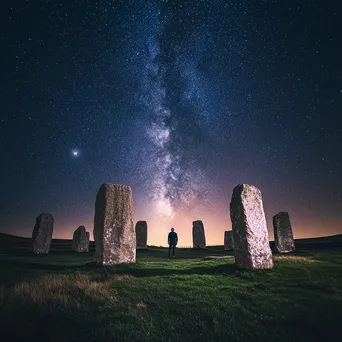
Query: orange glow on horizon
(158, 228)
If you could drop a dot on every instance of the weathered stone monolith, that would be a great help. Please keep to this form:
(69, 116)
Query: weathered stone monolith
(251, 246)
(228, 240)
(141, 234)
(198, 235)
(114, 233)
(80, 241)
(42, 234)
(283, 235)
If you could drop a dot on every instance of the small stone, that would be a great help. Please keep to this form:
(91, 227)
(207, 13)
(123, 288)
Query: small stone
(80, 241)
(198, 235)
(141, 234)
(228, 240)
(42, 234)
(283, 235)
(251, 245)
(114, 233)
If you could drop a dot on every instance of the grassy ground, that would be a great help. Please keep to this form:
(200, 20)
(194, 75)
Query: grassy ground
(64, 296)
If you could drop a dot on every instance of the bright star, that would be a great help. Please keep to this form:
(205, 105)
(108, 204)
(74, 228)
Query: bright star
(75, 153)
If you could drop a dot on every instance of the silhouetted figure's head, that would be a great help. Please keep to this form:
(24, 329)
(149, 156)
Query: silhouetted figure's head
(172, 229)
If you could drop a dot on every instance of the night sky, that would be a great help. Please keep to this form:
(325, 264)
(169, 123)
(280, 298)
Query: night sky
(181, 100)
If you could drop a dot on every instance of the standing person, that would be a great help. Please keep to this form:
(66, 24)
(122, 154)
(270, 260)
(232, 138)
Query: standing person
(172, 241)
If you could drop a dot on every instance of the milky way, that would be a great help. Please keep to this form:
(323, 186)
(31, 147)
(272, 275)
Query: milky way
(175, 181)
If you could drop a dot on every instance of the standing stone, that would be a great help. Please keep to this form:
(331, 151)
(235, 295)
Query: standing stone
(283, 235)
(80, 241)
(228, 240)
(42, 234)
(141, 234)
(114, 233)
(198, 235)
(87, 242)
(88, 239)
(251, 246)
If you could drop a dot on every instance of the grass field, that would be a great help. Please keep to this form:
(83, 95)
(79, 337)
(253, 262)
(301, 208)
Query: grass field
(64, 296)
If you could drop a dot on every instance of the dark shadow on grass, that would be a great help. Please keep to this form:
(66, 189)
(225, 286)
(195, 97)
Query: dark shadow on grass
(43, 266)
(332, 255)
(14, 271)
(30, 266)
(158, 272)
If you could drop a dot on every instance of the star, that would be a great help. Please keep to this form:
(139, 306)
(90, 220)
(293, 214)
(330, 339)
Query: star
(75, 153)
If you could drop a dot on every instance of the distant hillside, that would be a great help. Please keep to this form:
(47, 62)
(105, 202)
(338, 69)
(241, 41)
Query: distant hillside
(8, 241)
(327, 242)
(8, 237)
(321, 239)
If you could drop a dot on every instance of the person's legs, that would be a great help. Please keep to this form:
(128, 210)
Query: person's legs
(173, 250)
(170, 251)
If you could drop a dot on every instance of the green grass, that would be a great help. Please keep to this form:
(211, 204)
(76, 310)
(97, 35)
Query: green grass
(64, 296)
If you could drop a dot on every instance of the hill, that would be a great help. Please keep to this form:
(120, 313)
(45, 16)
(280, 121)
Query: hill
(12, 241)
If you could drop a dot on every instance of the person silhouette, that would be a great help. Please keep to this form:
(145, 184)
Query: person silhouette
(172, 241)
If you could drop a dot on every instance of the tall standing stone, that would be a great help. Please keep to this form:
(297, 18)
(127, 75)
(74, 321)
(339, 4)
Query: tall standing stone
(228, 240)
(114, 233)
(141, 234)
(283, 235)
(80, 241)
(198, 235)
(251, 246)
(42, 234)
